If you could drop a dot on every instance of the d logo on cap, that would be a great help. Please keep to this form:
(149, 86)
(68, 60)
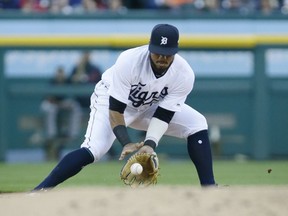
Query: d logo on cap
(163, 40)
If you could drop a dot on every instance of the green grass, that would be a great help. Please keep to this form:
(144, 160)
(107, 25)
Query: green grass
(23, 177)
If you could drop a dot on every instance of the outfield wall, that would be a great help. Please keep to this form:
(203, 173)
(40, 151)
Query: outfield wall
(241, 75)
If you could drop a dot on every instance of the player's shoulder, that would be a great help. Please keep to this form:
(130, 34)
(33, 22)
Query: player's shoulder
(181, 61)
(180, 64)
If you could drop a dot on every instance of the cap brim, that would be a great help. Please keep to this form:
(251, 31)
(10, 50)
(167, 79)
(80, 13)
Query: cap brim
(163, 50)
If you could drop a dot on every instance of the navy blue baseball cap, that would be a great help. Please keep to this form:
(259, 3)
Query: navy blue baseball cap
(164, 40)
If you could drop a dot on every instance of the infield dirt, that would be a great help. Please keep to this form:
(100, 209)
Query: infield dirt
(156, 201)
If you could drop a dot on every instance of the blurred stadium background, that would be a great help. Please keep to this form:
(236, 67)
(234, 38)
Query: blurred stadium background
(238, 50)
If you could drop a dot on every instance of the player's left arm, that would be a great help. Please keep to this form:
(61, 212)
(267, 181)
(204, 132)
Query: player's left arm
(156, 129)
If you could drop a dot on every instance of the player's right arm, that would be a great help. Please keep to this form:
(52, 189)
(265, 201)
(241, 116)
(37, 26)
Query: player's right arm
(117, 122)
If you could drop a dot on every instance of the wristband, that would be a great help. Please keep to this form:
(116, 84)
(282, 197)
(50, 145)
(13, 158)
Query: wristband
(121, 134)
(150, 143)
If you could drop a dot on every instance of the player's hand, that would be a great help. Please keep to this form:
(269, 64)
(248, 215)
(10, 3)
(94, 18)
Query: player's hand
(129, 148)
(146, 149)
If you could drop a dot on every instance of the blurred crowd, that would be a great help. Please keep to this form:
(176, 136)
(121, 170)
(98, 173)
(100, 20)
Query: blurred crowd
(195, 6)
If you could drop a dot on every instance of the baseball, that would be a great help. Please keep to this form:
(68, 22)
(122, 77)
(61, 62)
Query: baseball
(136, 169)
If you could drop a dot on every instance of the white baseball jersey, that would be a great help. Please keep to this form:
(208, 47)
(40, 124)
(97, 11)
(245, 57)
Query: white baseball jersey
(132, 81)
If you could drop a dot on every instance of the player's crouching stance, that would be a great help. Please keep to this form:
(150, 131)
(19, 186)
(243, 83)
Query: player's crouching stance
(145, 89)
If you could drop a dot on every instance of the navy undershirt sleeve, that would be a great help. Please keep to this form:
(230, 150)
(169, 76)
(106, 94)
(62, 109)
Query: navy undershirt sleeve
(116, 105)
(164, 114)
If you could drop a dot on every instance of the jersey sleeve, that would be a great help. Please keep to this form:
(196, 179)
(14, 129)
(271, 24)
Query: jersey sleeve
(121, 79)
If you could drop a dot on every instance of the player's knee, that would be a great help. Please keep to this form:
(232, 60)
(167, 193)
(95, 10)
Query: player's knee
(202, 121)
(201, 125)
(200, 137)
(93, 151)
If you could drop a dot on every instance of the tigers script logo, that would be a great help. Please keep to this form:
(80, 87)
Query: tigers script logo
(139, 97)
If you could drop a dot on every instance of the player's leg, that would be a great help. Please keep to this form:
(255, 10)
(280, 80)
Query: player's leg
(98, 140)
(192, 125)
(69, 166)
(199, 150)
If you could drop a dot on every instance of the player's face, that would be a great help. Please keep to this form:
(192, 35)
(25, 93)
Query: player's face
(162, 61)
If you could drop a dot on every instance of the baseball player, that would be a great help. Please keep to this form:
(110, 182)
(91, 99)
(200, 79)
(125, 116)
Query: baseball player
(145, 89)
